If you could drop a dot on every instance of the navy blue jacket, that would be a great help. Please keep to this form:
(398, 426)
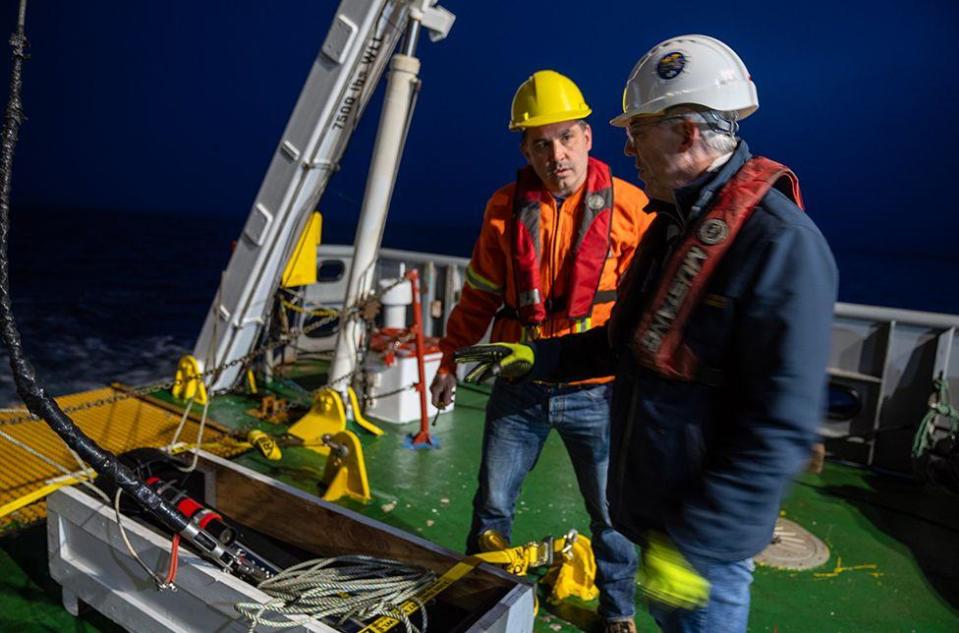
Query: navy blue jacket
(708, 461)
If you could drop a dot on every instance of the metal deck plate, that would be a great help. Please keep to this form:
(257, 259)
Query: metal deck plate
(793, 547)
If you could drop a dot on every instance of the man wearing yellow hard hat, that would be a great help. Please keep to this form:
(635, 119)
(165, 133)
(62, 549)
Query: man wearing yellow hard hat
(553, 247)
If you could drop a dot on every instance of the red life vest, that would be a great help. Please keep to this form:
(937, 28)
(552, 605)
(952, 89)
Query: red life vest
(658, 340)
(590, 249)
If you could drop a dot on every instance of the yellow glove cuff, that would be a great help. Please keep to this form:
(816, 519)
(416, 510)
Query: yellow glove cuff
(666, 577)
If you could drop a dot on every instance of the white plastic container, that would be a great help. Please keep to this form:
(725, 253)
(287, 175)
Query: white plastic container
(402, 407)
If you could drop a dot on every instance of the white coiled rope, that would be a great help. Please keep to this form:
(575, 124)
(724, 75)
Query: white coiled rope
(341, 588)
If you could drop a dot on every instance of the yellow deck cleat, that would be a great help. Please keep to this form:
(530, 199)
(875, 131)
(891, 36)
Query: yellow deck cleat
(189, 382)
(345, 472)
(327, 416)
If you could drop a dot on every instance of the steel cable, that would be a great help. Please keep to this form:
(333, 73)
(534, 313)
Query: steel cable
(340, 588)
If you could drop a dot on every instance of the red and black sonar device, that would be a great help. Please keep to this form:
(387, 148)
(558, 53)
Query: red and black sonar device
(254, 556)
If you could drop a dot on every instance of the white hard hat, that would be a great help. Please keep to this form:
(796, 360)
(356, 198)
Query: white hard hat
(689, 70)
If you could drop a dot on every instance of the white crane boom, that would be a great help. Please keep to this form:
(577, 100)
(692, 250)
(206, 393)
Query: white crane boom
(354, 54)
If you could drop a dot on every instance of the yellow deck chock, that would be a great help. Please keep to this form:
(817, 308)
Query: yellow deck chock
(358, 415)
(323, 429)
(326, 416)
(572, 566)
(189, 384)
(345, 472)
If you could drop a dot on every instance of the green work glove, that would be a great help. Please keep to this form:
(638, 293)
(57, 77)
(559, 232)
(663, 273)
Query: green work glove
(666, 577)
(510, 360)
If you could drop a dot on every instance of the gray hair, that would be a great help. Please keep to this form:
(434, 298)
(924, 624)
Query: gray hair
(718, 128)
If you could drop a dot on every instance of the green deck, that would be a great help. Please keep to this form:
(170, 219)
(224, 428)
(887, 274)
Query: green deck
(897, 542)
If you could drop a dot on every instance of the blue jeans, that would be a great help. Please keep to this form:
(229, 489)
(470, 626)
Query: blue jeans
(728, 608)
(518, 420)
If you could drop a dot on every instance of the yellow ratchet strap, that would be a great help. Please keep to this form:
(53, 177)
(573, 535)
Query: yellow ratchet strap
(457, 571)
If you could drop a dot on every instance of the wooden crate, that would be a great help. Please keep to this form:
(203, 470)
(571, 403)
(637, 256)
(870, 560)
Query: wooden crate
(89, 560)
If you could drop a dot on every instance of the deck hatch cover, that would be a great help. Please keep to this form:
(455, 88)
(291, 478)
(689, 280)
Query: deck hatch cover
(793, 547)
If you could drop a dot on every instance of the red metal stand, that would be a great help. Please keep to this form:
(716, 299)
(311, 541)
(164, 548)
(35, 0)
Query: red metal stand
(421, 439)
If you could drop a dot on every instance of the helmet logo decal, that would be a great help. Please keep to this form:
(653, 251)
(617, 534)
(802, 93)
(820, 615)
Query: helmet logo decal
(713, 231)
(670, 65)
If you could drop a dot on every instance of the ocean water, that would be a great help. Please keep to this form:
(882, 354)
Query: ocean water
(104, 296)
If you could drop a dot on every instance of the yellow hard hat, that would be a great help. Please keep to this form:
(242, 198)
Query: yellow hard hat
(547, 97)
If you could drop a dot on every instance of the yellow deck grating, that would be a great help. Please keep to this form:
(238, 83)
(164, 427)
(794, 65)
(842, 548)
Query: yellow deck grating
(117, 427)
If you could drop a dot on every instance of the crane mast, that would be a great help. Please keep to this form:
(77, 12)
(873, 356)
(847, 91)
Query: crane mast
(353, 57)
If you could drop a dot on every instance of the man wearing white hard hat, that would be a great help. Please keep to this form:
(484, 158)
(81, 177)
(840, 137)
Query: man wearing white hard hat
(718, 342)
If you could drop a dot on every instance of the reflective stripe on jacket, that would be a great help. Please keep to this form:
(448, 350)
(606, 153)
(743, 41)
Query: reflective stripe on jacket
(491, 277)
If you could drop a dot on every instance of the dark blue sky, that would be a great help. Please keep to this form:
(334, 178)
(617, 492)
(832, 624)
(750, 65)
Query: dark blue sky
(177, 106)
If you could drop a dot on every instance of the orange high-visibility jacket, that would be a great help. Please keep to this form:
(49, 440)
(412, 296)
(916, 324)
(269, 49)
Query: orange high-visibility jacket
(490, 277)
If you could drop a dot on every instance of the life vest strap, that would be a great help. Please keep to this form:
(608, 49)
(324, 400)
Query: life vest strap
(589, 247)
(658, 342)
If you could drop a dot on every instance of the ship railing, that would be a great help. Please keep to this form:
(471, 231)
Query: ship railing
(890, 357)
(887, 357)
(441, 279)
